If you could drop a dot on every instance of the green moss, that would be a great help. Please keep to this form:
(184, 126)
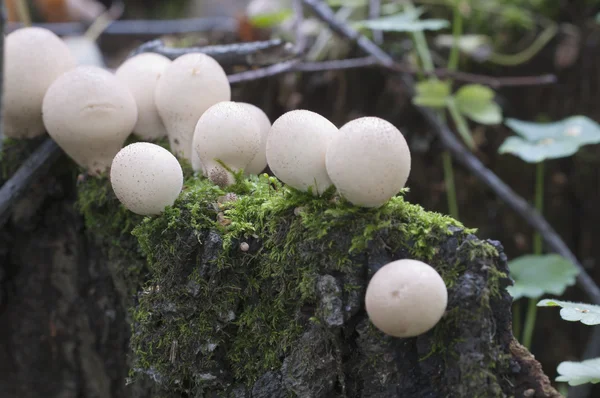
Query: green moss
(245, 309)
(110, 224)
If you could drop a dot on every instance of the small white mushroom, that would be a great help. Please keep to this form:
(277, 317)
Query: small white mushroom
(259, 163)
(227, 132)
(188, 87)
(141, 73)
(368, 161)
(296, 148)
(34, 58)
(146, 178)
(406, 298)
(90, 114)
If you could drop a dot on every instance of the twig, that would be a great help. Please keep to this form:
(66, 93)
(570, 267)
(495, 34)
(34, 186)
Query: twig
(262, 73)
(324, 66)
(144, 27)
(35, 166)
(495, 82)
(104, 20)
(464, 156)
(375, 12)
(300, 44)
(248, 54)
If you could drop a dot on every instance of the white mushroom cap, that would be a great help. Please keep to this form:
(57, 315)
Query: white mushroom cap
(146, 178)
(406, 298)
(34, 58)
(296, 148)
(369, 161)
(259, 163)
(85, 50)
(141, 74)
(229, 132)
(89, 113)
(188, 87)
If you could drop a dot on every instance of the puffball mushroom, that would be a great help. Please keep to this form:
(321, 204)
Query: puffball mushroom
(141, 74)
(296, 148)
(368, 161)
(146, 178)
(228, 132)
(259, 163)
(190, 85)
(89, 113)
(34, 58)
(406, 298)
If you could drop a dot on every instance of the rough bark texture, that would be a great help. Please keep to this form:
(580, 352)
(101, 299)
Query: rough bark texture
(64, 331)
(64, 311)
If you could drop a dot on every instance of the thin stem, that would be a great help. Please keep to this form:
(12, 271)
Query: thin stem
(461, 124)
(457, 27)
(537, 250)
(421, 45)
(449, 182)
(447, 158)
(539, 204)
(525, 55)
(529, 322)
(23, 11)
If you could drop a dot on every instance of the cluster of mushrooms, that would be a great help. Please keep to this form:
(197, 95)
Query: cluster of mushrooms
(90, 112)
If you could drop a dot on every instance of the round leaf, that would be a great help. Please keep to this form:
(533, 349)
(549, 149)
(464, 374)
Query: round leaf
(477, 103)
(577, 373)
(588, 314)
(535, 276)
(541, 141)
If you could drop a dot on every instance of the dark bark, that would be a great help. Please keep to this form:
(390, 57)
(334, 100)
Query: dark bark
(64, 327)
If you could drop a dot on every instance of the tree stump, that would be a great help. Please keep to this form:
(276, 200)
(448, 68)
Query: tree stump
(254, 291)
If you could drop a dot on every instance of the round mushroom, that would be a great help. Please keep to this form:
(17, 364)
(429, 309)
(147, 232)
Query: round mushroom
(34, 58)
(141, 73)
(187, 88)
(406, 298)
(296, 148)
(89, 113)
(369, 161)
(230, 133)
(146, 178)
(259, 163)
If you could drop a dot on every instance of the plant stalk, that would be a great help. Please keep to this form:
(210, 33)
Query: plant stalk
(537, 250)
(23, 11)
(450, 186)
(461, 124)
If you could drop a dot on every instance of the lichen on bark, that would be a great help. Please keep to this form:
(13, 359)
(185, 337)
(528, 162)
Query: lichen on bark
(284, 315)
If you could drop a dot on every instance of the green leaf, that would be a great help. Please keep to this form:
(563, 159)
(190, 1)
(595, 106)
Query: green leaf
(477, 103)
(577, 373)
(406, 21)
(541, 141)
(588, 314)
(535, 276)
(432, 93)
(271, 19)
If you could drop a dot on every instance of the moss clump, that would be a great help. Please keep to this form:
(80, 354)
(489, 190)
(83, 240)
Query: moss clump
(213, 308)
(110, 224)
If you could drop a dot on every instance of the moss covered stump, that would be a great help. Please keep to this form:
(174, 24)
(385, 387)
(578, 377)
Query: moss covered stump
(258, 291)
